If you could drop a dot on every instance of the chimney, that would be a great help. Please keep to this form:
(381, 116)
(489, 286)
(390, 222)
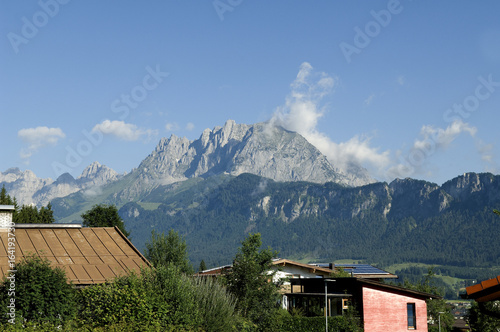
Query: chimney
(6, 212)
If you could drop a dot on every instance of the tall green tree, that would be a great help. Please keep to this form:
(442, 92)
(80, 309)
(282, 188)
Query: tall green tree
(250, 280)
(203, 266)
(5, 199)
(164, 250)
(434, 305)
(46, 215)
(484, 317)
(103, 215)
(29, 214)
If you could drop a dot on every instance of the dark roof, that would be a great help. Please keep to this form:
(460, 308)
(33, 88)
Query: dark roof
(361, 270)
(88, 255)
(395, 288)
(351, 283)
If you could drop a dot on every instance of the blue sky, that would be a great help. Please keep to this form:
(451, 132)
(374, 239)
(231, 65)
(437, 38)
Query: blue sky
(404, 88)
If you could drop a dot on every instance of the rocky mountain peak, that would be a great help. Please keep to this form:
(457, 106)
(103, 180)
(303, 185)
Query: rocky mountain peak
(259, 149)
(97, 175)
(470, 183)
(401, 186)
(65, 178)
(91, 170)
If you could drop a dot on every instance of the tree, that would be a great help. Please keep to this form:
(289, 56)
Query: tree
(340, 273)
(42, 294)
(164, 250)
(103, 215)
(29, 214)
(434, 305)
(5, 199)
(46, 215)
(250, 280)
(484, 316)
(203, 266)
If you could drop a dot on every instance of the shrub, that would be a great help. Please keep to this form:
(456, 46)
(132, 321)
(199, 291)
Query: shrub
(172, 296)
(42, 293)
(216, 305)
(123, 300)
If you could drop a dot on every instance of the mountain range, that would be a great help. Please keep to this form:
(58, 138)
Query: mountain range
(261, 149)
(239, 178)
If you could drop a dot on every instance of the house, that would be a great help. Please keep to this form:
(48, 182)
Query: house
(88, 255)
(288, 269)
(382, 307)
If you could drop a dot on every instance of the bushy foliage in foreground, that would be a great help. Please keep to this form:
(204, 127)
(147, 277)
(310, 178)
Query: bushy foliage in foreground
(159, 298)
(40, 294)
(162, 299)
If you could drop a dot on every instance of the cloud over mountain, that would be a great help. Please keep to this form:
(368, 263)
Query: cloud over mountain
(37, 138)
(123, 131)
(302, 111)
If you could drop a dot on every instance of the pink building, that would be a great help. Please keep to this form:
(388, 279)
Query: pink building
(381, 307)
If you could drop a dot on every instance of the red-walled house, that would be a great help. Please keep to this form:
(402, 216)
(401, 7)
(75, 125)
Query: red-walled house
(381, 307)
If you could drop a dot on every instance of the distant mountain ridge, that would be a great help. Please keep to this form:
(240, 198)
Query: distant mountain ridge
(29, 189)
(261, 149)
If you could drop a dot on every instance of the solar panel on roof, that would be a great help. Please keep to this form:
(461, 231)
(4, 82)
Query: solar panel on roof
(361, 268)
(356, 268)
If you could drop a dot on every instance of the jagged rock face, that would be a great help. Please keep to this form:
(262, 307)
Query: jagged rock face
(482, 186)
(97, 175)
(29, 189)
(22, 185)
(260, 149)
(410, 196)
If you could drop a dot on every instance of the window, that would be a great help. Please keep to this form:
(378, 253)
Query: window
(412, 317)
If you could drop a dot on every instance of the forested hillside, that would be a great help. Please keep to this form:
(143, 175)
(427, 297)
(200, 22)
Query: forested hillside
(405, 221)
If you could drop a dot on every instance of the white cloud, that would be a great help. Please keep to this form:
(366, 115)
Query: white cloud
(441, 138)
(369, 100)
(189, 126)
(171, 126)
(123, 131)
(432, 140)
(302, 111)
(401, 80)
(37, 138)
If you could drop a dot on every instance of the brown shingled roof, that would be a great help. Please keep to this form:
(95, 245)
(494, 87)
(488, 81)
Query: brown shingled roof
(88, 255)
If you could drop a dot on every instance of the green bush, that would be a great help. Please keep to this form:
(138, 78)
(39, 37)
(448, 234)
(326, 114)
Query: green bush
(172, 297)
(123, 300)
(216, 305)
(42, 294)
(158, 299)
(305, 324)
